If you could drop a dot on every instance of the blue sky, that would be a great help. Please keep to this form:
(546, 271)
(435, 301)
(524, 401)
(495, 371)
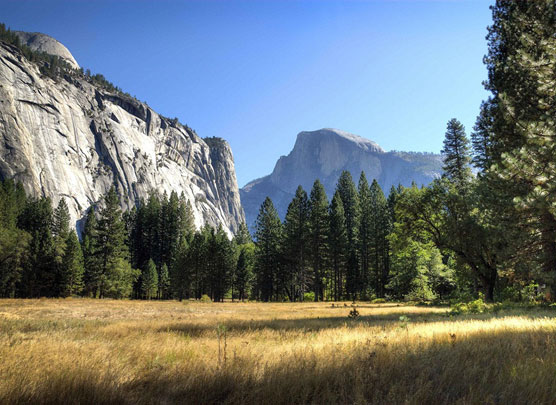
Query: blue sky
(258, 72)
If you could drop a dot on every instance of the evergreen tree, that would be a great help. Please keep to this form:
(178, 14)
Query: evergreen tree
(482, 137)
(13, 241)
(521, 63)
(337, 246)
(91, 260)
(71, 269)
(365, 231)
(220, 263)
(456, 153)
(164, 282)
(243, 236)
(181, 274)
(244, 270)
(350, 200)
(294, 277)
(197, 255)
(116, 274)
(380, 225)
(149, 280)
(318, 237)
(61, 225)
(268, 240)
(39, 273)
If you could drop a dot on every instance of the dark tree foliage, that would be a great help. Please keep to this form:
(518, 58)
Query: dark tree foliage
(517, 125)
(294, 279)
(380, 229)
(318, 230)
(268, 238)
(350, 200)
(338, 246)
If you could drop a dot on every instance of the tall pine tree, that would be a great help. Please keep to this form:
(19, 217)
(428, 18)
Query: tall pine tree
(318, 237)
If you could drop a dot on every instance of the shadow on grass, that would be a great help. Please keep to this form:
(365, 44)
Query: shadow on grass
(497, 368)
(316, 324)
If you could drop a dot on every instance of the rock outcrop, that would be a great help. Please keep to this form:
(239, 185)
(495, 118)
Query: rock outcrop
(44, 43)
(323, 155)
(69, 138)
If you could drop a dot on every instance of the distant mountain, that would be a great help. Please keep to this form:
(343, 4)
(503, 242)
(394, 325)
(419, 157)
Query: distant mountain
(323, 155)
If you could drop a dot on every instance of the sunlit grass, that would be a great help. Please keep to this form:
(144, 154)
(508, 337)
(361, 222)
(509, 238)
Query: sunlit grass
(91, 351)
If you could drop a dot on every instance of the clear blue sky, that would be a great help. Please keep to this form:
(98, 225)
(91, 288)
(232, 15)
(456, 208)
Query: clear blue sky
(258, 72)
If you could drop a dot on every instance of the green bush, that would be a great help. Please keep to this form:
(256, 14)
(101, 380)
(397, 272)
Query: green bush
(308, 296)
(205, 298)
(378, 301)
(477, 306)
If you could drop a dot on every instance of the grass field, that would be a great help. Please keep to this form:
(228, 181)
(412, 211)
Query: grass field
(93, 351)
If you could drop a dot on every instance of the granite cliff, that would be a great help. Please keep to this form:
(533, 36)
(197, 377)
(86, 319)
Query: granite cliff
(67, 137)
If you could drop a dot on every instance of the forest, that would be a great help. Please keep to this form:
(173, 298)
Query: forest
(486, 228)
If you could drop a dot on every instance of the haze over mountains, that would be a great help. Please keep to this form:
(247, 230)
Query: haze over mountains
(323, 155)
(67, 136)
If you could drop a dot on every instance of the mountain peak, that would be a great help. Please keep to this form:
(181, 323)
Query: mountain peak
(40, 42)
(363, 143)
(323, 154)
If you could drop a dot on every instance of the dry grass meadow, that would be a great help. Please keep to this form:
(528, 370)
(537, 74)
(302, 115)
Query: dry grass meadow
(137, 352)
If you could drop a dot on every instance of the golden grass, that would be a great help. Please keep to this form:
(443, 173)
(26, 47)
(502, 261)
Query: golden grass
(92, 351)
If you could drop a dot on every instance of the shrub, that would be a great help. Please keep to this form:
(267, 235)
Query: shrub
(205, 298)
(308, 296)
(378, 301)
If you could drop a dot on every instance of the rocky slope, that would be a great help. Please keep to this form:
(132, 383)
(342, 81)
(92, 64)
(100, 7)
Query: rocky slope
(66, 137)
(323, 155)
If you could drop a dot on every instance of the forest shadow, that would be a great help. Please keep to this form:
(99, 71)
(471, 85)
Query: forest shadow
(316, 324)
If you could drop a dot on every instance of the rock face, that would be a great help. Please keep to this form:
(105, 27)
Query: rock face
(44, 43)
(323, 155)
(69, 138)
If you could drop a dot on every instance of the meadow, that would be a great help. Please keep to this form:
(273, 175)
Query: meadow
(143, 352)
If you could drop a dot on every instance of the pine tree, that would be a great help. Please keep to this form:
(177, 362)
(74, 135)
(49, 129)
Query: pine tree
(244, 270)
(149, 280)
(268, 241)
(380, 224)
(350, 200)
(61, 225)
(242, 235)
(39, 273)
(337, 245)
(13, 241)
(220, 263)
(61, 231)
(521, 62)
(318, 237)
(482, 137)
(365, 231)
(164, 282)
(294, 277)
(91, 260)
(181, 273)
(71, 269)
(116, 275)
(456, 153)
